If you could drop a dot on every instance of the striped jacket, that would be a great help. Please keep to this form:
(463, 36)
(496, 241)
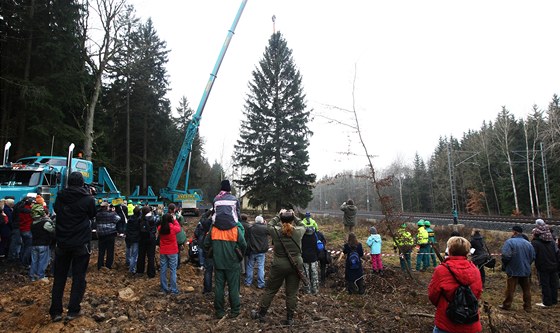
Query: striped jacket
(226, 211)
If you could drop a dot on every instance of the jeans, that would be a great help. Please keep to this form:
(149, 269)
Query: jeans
(132, 257)
(27, 241)
(201, 257)
(208, 272)
(168, 261)
(15, 245)
(40, 257)
(259, 259)
(437, 330)
(106, 244)
(78, 258)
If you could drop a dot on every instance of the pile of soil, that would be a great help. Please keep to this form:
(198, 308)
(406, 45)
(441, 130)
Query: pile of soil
(116, 301)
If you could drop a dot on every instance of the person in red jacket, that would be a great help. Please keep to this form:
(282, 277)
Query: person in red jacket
(442, 286)
(168, 253)
(25, 222)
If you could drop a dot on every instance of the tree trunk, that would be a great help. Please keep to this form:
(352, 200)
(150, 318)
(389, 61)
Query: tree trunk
(526, 131)
(512, 176)
(89, 135)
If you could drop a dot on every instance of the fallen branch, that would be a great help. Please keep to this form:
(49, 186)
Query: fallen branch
(428, 315)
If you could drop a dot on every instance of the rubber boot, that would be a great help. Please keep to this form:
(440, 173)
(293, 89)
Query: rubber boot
(289, 319)
(260, 315)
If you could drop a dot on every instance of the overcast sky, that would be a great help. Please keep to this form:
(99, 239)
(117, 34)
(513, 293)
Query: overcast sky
(424, 69)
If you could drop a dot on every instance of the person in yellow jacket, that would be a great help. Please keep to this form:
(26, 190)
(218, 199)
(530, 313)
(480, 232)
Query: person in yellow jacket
(422, 240)
(404, 242)
(309, 222)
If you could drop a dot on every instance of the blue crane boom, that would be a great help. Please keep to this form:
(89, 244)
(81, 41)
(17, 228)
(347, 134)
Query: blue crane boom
(171, 192)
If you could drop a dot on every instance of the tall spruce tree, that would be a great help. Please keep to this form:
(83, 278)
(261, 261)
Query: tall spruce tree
(272, 149)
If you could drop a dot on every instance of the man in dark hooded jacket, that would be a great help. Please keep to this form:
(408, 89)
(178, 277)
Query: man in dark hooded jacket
(74, 208)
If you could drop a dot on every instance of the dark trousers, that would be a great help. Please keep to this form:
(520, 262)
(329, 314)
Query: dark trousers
(5, 235)
(106, 244)
(208, 270)
(78, 258)
(512, 282)
(146, 249)
(323, 268)
(549, 287)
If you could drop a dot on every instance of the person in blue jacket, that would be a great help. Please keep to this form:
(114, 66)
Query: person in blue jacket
(517, 256)
(374, 242)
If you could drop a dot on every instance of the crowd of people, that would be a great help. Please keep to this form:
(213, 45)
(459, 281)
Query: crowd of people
(230, 246)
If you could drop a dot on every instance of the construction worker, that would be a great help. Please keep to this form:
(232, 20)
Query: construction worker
(404, 242)
(431, 240)
(423, 257)
(309, 222)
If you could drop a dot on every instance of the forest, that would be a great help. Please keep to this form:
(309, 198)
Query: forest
(105, 89)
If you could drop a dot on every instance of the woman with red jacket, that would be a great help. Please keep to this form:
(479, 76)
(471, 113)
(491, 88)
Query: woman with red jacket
(168, 253)
(443, 285)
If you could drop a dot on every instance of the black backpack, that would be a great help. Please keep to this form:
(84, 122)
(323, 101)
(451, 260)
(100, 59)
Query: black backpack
(463, 308)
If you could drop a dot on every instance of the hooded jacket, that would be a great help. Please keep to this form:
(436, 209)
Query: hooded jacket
(350, 212)
(74, 207)
(545, 255)
(374, 242)
(442, 288)
(226, 211)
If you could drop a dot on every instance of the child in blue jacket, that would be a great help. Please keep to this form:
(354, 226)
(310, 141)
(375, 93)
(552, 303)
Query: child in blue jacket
(374, 241)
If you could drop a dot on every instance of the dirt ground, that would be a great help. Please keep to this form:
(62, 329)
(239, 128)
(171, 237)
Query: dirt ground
(117, 302)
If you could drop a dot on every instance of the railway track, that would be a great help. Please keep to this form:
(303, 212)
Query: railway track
(503, 223)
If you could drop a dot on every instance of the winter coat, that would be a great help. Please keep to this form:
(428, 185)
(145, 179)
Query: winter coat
(25, 219)
(545, 255)
(293, 243)
(168, 242)
(9, 213)
(352, 275)
(148, 226)
(480, 254)
(517, 255)
(226, 211)
(442, 288)
(350, 212)
(133, 229)
(42, 232)
(224, 244)
(106, 223)
(374, 241)
(309, 252)
(74, 207)
(202, 229)
(257, 237)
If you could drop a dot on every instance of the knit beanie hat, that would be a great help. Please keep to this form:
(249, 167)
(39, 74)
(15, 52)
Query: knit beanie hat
(372, 230)
(540, 222)
(39, 199)
(37, 211)
(225, 186)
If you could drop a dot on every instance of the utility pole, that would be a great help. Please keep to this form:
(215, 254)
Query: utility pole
(545, 176)
(451, 178)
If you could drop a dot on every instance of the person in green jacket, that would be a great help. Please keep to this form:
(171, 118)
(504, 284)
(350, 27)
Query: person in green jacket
(431, 240)
(423, 256)
(404, 242)
(227, 247)
(285, 228)
(309, 222)
(349, 215)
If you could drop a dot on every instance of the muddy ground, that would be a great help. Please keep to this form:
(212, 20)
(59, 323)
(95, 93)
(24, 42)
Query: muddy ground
(117, 302)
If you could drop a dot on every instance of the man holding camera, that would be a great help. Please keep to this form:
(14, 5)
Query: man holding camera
(350, 212)
(74, 208)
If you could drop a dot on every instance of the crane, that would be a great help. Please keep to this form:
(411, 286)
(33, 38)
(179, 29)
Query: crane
(170, 192)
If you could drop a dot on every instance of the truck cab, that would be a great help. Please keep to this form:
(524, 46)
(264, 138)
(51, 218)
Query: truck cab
(44, 175)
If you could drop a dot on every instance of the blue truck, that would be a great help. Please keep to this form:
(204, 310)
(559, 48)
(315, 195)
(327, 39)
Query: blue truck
(47, 175)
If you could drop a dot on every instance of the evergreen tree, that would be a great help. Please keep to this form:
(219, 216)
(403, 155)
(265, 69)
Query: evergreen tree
(274, 137)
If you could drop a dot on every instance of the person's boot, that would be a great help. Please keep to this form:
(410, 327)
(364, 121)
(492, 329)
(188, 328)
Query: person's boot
(289, 319)
(260, 315)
